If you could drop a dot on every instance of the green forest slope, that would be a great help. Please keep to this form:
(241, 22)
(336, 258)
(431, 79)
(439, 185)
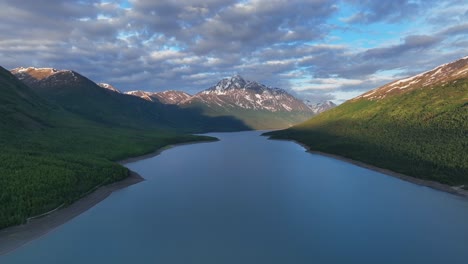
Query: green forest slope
(50, 156)
(422, 133)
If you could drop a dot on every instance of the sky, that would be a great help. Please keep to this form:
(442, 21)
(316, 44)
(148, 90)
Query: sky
(316, 49)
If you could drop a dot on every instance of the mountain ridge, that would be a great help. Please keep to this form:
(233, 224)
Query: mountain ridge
(52, 155)
(257, 105)
(80, 95)
(438, 75)
(418, 130)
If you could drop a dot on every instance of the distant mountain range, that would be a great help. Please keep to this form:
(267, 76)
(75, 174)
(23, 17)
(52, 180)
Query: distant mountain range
(166, 97)
(417, 126)
(235, 92)
(253, 104)
(259, 106)
(105, 104)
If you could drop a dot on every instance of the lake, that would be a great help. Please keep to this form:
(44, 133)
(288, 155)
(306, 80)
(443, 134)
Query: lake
(246, 199)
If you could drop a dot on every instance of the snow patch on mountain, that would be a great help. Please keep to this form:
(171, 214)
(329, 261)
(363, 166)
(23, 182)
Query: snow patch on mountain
(141, 94)
(108, 87)
(439, 75)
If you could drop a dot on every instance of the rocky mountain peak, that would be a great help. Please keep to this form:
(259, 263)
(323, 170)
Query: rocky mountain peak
(234, 82)
(235, 92)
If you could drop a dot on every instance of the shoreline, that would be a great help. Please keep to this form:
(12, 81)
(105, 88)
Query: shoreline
(426, 183)
(160, 150)
(14, 237)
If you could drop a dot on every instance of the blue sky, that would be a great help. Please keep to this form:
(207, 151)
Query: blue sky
(317, 49)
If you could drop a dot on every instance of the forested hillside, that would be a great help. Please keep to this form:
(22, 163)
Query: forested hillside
(421, 132)
(51, 156)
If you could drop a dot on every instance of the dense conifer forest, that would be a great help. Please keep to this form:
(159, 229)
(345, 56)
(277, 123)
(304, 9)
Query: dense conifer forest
(422, 133)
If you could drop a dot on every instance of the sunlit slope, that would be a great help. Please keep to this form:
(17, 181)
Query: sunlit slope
(421, 131)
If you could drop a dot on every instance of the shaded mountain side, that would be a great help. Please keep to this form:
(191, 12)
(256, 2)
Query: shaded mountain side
(20, 107)
(82, 96)
(51, 157)
(196, 120)
(421, 132)
(255, 119)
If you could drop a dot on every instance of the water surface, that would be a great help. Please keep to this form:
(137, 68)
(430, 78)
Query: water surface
(246, 199)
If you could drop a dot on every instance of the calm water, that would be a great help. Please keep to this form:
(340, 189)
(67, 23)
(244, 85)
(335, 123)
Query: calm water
(246, 199)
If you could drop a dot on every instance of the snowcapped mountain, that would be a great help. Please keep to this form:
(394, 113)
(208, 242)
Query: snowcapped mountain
(235, 92)
(318, 108)
(166, 97)
(248, 103)
(256, 105)
(108, 87)
(439, 75)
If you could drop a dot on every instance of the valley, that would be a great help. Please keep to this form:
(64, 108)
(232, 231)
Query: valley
(61, 133)
(233, 132)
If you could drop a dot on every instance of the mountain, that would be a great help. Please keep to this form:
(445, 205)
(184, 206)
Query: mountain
(142, 94)
(235, 92)
(257, 105)
(81, 96)
(109, 87)
(166, 97)
(21, 107)
(318, 108)
(52, 156)
(438, 76)
(417, 126)
(171, 97)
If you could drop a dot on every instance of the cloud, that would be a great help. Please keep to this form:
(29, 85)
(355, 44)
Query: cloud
(191, 44)
(393, 11)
